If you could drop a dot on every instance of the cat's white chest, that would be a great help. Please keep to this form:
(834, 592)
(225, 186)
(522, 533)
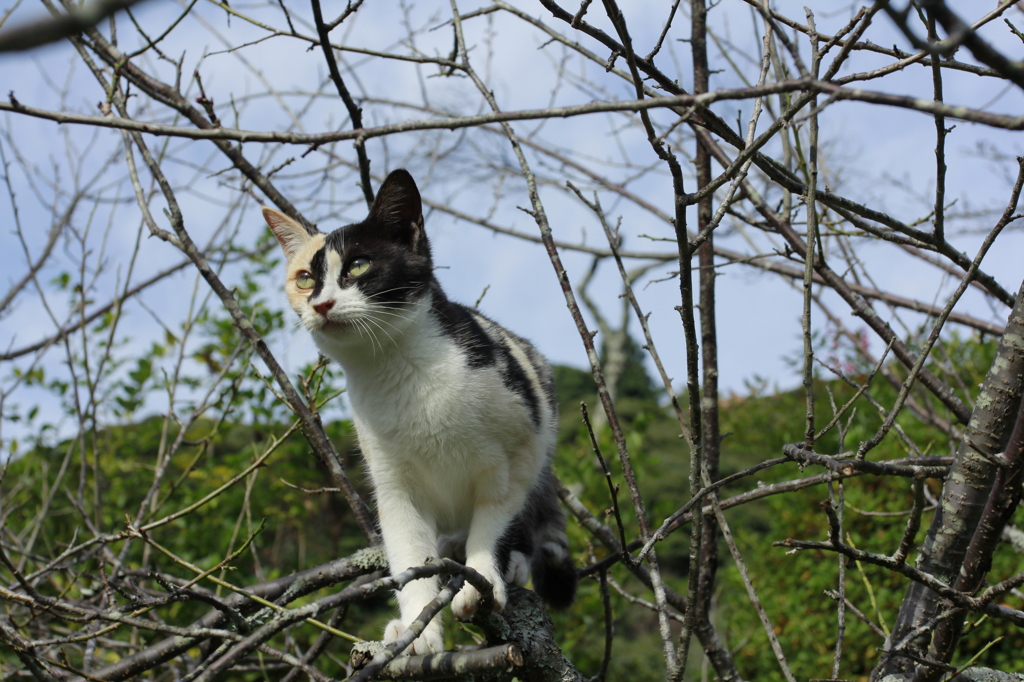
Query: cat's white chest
(438, 445)
(447, 435)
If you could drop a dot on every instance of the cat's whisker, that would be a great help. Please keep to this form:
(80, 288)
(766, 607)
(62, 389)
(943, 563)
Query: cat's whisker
(296, 330)
(367, 322)
(388, 291)
(377, 323)
(373, 337)
(363, 332)
(375, 315)
(378, 308)
(297, 327)
(374, 311)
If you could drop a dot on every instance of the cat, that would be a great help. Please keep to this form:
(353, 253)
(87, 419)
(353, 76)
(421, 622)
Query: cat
(455, 415)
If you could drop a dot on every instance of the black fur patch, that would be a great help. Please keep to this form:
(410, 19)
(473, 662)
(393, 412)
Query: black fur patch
(516, 380)
(483, 346)
(391, 239)
(318, 268)
(554, 580)
(396, 275)
(554, 577)
(460, 325)
(516, 538)
(544, 375)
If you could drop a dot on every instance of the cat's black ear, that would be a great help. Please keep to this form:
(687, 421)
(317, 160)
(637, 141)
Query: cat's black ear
(398, 207)
(291, 235)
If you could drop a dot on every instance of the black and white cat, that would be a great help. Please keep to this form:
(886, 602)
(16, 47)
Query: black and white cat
(456, 416)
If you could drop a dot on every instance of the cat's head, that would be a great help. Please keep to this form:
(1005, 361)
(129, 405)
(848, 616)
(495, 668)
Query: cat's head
(358, 278)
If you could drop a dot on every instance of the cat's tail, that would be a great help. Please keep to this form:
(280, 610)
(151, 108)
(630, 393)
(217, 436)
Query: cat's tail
(552, 567)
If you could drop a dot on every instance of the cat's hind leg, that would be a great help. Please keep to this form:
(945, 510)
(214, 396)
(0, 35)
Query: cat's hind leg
(514, 551)
(518, 570)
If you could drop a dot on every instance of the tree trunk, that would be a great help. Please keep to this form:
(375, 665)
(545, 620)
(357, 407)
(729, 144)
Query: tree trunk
(964, 494)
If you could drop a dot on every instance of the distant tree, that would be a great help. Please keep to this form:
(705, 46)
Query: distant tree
(635, 382)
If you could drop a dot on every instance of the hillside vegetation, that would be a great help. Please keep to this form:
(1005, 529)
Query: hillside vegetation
(279, 518)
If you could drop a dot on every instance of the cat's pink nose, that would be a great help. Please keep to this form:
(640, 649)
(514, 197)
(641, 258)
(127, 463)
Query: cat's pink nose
(324, 307)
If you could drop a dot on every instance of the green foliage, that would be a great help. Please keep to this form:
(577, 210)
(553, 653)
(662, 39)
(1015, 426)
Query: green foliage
(792, 586)
(215, 478)
(635, 383)
(110, 473)
(299, 530)
(573, 386)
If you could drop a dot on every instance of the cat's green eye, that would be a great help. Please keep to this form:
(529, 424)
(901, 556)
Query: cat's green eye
(304, 280)
(358, 267)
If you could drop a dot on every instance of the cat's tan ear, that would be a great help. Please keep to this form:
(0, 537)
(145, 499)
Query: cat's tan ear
(289, 233)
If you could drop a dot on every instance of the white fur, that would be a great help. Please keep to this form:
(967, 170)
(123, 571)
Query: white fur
(448, 448)
(518, 571)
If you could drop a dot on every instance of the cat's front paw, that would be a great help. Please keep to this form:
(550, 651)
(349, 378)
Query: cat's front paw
(429, 642)
(467, 601)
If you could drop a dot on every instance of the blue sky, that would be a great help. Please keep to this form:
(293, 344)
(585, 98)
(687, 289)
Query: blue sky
(879, 156)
